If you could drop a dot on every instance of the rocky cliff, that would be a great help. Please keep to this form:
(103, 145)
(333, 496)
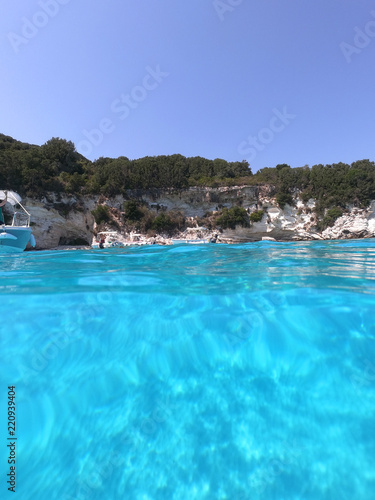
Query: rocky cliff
(59, 220)
(65, 220)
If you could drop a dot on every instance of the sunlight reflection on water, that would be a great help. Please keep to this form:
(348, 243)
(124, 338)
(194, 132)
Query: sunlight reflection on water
(229, 372)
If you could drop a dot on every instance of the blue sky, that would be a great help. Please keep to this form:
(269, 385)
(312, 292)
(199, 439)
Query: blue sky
(267, 81)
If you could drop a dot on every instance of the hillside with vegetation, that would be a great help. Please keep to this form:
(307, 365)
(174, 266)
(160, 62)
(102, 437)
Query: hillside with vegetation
(57, 167)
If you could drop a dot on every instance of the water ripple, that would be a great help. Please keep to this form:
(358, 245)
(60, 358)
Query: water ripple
(213, 372)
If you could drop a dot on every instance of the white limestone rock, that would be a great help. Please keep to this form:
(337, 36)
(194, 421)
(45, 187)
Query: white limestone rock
(64, 219)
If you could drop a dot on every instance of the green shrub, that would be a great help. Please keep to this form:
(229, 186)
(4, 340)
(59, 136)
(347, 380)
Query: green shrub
(132, 211)
(284, 199)
(306, 195)
(163, 222)
(256, 216)
(232, 217)
(330, 217)
(101, 214)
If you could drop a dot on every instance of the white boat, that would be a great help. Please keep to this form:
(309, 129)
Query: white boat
(196, 231)
(196, 241)
(107, 239)
(15, 237)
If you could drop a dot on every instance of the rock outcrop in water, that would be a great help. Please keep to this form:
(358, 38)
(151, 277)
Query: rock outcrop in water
(67, 220)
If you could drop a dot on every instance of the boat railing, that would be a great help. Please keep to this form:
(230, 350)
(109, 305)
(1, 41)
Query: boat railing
(21, 219)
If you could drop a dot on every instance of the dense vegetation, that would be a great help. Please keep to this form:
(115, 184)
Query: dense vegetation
(256, 216)
(231, 217)
(56, 166)
(331, 185)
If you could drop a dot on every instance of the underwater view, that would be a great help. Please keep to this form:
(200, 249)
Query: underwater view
(223, 372)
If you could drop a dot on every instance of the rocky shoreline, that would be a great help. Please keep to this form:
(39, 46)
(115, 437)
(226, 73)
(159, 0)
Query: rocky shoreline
(67, 222)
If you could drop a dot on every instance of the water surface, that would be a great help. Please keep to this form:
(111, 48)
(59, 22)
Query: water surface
(192, 372)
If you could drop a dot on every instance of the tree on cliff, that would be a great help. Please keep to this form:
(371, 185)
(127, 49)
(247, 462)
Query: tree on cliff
(62, 156)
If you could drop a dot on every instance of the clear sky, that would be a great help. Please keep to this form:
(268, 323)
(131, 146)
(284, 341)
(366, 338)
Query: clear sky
(269, 81)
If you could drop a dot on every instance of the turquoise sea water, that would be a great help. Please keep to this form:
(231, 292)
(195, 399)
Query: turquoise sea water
(191, 372)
